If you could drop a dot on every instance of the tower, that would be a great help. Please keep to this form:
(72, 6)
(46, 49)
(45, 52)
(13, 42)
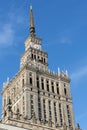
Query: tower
(37, 98)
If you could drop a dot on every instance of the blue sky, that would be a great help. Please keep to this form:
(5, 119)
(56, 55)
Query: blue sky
(62, 25)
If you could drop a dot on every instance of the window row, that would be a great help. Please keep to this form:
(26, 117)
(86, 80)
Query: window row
(50, 110)
(40, 59)
(41, 83)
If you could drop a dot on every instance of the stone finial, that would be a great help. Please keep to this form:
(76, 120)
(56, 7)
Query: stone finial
(66, 73)
(30, 7)
(58, 71)
(7, 79)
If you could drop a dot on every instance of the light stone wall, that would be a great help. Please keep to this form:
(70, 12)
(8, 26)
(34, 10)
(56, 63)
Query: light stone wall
(10, 127)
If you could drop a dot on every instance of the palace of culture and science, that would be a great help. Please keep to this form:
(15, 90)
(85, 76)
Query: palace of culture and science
(36, 98)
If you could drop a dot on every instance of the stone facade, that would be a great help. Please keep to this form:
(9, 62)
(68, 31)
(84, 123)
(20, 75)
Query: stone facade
(37, 98)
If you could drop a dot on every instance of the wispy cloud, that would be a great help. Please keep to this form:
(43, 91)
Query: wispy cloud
(6, 35)
(65, 40)
(16, 18)
(8, 27)
(81, 72)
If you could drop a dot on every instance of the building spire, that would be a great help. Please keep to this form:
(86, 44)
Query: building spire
(32, 28)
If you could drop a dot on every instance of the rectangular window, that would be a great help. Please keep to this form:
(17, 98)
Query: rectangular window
(30, 78)
(52, 85)
(39, 108)
(47, 84)
(50, 114)
(60, 112)
(37, 80)
(44, 110)
(32, 56)
(68, 114)
(44, 60)
(65, 92)
(58, 90)
(42, 83)
(55, 112)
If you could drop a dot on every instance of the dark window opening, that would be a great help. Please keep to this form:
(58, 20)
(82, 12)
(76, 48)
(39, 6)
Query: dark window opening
(39, 108)
(38, 82)
(57, 90)
(30, 80)
(52, 85)
(65, 91)
(53, 89)
(38, 58)
(32, 56)
(47, 83)
(44, 110)
(42, 83)
(44, 60)
(35, 57)
(57, 84)
(48, 88)
(30, 75)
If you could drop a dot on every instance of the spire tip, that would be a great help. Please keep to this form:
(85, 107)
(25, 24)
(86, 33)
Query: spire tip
(32, 27)
(30, 7)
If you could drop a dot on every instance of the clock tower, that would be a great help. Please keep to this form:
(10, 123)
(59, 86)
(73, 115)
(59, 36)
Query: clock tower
(37, 98)
(33, 52)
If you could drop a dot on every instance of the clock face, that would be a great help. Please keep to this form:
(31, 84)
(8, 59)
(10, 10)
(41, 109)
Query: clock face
(37, 46)
(33, 45)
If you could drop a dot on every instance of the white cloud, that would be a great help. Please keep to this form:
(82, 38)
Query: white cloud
(6, 35)
(81, 72)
